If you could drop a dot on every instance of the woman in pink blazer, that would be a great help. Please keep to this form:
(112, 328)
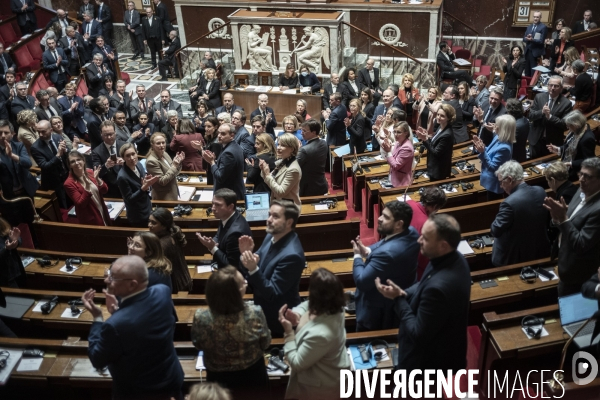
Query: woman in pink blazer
(85, 188)
(400, 155)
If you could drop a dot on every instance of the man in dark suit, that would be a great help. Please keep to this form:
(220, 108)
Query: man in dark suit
(121, 101)
(91, 29)
(228, 169)
(105, 18)
(242, 136)
(381, 110)
(228, 105)
(579, 225)
(6, 65)
(225, 246)
(74, 47)
(7, 93)
(546, 117)
(163, 14)
(459, 126)
(25, 11)
(393, 258)
(329, 89)
(141, 327)
(61, 18)
(95, 118)
(56, 63)
(519, 229)
(86, 6)
(434, 312)
(210, 63)
(141, 104)
(96, 72)
(274, 271)
(447, 69)
(312, 158)
(169, 57)
(485, 117)
(109, 56)
(73, 112)
(336, 129)
(350, 87)
(50, 154)
(133, 23)
(583, 25)
(22, 101)
(369, 77)
(165, 105)
(534, 37)
(267, 114)
(106, 155)
(45, 110)
(396, 100)
(152, 34)
(15, 178)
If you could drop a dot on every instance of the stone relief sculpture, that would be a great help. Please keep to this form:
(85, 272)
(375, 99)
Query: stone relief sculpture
(255, 48)
(313, 47)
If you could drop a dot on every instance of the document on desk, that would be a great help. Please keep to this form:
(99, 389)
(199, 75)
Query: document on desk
(114, 208)
(461, 61)
(307, 89)
(204, 195)
(465, 248)
(275, 89)
(186, 193)
(263, 88)
(13, 359)
(290, 91)
(30, 364)
(83, 149)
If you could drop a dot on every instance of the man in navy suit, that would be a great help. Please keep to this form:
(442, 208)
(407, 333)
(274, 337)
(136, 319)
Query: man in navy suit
(274, 271)
(15, 178)
(7, 93)
(434, 312)
(266, 113)
(25, 11)
(74, 47)
(336, 129)
(22, 101)
(136, 342)
(224, 246)
(91, 30)
(133, 23)
(447, 69)
(105, 18)
(242, 136)
(50, 154)
(485, 117)
(394, 258)
(83, 8)
(6, 65)
(228, 105)
(535, 34)
(73, 112)
(101, 156)
(56, 62)
(228, 169)
(109, 56)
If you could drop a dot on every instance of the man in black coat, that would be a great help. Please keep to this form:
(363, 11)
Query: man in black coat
(169, 57)
(141, 104)
(86, 6)
(74, 47)
(133, 24)
(91, 30)
(163, 14)
(434, 312)
(267, 114)
(485, 117)
(546, 117)
(447, 69)
(519, 229)
(242, 136)
(109, 55)
(336, 129)
(459, 126)
(25, 11)
(101, 156)
(98, 113)
(165, 105)
(50, 154)
(121, 101)
(96, 72)
(45, 110)
(7, 93)
(369, 77)
(228, 169)
(584, 24)
(105, 18)
(55, 62)
(22, 101)
(312, 158)
(329, 89)
(152, 34)
(224, 246)
(228, 105)
(6, 65)
(61, 18)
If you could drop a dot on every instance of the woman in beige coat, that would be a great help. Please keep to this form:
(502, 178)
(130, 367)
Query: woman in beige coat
(316, 350)
(159, 163)
(284, 180)
(427, 109)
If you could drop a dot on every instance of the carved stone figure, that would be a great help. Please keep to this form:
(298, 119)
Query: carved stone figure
(313, 47)
(255, 48)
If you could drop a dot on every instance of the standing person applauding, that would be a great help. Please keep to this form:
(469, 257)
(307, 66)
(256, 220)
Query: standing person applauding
(284, 180)
(400, 155)
(439, 146)
(160, 164)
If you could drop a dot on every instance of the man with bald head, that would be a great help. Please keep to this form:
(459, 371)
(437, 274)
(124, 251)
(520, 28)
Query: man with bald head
(50, 154)
(369, 77)
(61, 18)
(136, 342)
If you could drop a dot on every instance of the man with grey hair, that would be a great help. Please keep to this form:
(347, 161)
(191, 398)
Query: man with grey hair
(519, 229)
(165, 105)
(267, 114)
(74, 47)
(228, 169)
(91, 29)
(584, 86)
(208, 59)
(96, 72)
(141, 328)
(485, 116)
(169, 57)
(584, 24)
(133, 23)
(44, 110)
(545, 115)
(578, 245)
(22, 101)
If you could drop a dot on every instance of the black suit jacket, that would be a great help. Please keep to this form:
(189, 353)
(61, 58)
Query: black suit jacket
(434, 317)
(578, 27)
(555, 126)
(100, 155)
(136, 21)
(155, 31)
(312, 158)
(105, 16)
(5, 103)
(270, 126)
(327, 92)
(555, 54)
(54, 169)
(136, 200)
(459, 127)
(512, 74)
(519, 229)
(18, 104)
(484, 134)
(583, 89)
(519, 153)
(336, 129)
(228, 252)
(445, 64)
(95, 78)
(41, 114)
(9, 63)
(173, 47)
(586, 148)
(16, 6)
(348, 92)
(365, 79)
(233, 109)
(81, 51)
(357, 134)
(21, 168)
(439, 154)
(163, 14)
(228, 171)
(83, 8)
(124, 105)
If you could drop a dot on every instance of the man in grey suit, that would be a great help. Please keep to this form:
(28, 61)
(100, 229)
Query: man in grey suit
(579, 225)
(312, 158)
(133, 23)
(546, 117)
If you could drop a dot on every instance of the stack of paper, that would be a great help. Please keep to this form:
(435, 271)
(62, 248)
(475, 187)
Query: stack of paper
(186, 192)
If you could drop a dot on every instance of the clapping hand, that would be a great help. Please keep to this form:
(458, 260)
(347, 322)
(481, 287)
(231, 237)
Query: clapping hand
(421, 133)
(390, 291)
(347, 122)
(478, 144)
(546, 110)
(136, 134)
(7, 148)
(88, 303)
(288, 326)
(250, 260)
(386, 145)
(558, 210)
(504, 60)
(112, 304)
(208, 242)
(197, 144)
(246, 243)
(264, 167)
(13, 239)
(208, 156)
(149, 180)
(250, 162)
(478, 112)
(179, 157)
(359, 248)
(97, 170)
(552, 148)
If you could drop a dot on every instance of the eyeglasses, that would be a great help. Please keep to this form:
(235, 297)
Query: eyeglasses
(583, 175)
(108, 275)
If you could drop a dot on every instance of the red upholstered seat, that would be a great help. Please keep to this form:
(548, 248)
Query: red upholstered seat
(24, 60)
(463, 53)
(82, 89)
(125, 77)
(485, 70)
(35, 50)
(8, 34)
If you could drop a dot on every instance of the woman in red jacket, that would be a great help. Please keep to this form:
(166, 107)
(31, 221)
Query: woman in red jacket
(85, 188)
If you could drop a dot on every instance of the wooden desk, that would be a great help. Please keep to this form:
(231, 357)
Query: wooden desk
(282, 104)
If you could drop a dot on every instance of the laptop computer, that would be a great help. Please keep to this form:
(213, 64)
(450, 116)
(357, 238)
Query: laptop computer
(574, 311)
(257, 206)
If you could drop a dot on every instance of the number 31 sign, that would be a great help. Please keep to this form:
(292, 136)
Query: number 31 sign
(524, 10)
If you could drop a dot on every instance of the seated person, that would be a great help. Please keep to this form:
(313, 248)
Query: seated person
(308, 79)
(289, 79)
